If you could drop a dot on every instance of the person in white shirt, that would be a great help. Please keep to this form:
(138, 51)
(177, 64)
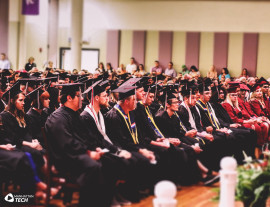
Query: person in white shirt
(132, 67)
(4, 62)
(170, 71)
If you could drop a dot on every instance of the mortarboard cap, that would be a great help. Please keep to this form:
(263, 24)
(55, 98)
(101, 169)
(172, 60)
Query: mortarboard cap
(244, 87)
(262, 81)
(35, 94)
(12, 92)
(255, 87)
(68, 88)
(125, 91)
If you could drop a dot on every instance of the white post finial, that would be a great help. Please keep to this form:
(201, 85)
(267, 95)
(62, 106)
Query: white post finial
(165, 191)
(228, 176)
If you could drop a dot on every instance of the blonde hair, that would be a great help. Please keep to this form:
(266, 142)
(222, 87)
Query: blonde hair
(229, 101)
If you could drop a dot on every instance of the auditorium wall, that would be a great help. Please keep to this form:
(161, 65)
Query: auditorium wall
(180, 17)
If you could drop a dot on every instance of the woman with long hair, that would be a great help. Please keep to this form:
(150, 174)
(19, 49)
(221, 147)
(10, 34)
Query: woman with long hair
(16, 126)
(232, 107)
(212, 73)
(248, 113)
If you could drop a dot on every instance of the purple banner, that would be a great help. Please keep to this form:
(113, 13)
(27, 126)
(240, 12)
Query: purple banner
(30, 7)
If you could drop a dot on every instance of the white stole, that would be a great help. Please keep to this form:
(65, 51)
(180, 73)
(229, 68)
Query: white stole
(100, 124)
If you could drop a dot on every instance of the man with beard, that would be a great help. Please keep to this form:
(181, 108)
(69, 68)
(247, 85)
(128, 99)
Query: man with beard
(70, 154)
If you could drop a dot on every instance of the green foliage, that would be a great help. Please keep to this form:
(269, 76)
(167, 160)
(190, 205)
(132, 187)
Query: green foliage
(253, 185)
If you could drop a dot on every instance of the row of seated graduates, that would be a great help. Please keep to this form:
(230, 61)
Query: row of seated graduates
(187, 140)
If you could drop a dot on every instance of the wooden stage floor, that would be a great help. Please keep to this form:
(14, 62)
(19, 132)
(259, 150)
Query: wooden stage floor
(191, 196)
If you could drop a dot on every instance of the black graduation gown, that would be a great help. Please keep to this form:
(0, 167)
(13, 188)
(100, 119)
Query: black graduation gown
(54, 93)
(36, 122)
(170, 127)
(212, 151)
(240, 139)
(68, 149)
(135, 170)
(15, 135)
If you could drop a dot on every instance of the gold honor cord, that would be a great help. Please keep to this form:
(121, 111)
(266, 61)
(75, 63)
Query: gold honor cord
(209, 115)
(152, 120)
(134, 136)
(183, 127)
(197, 138)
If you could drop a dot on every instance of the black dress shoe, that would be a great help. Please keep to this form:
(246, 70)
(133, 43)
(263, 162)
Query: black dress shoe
(210, 179)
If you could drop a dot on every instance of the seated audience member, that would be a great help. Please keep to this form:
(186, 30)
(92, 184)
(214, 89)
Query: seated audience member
(131, 67)
(28, 66)
(224, 72)
(141, 72)
(244, 73)
(170, 71)
(212, 73)
(185, 70)
(194, 71)
(156, 70)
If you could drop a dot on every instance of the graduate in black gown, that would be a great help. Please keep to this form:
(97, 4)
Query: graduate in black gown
(66, 137)
(38, 113)
(171, 125)
(238, 139)
(132, 166)
(214, 143)
(16, 125)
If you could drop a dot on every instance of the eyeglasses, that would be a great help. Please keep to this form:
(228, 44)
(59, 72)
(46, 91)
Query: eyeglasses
(265, 86)
(175, 102)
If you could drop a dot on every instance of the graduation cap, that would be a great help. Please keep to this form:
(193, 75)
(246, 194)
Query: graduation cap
(35, 94)
(123, 76)
(35, 75)
(94, 90)
(24, 74)
(132, 82)
(5, 72)
(125, 91)
(244, 87)
(233, 86)
(255, 87)
(205, 85)
(262, 81)
(50, 75)
(63, 76)
(69, 88)
(11, 93)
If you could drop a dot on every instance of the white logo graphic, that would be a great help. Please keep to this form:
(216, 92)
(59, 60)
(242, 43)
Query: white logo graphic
(9, 198)
(29, 2)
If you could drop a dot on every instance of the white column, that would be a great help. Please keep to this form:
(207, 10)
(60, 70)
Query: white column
(53, 32)
(76, 33)
(22, 42)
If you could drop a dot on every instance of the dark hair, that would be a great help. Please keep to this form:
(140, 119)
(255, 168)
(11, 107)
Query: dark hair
(171, 63)
(132, 58)
(101, 63)
(63, 97)
(226, 70)
(156, 61)
(244, 69)
(19, 115)
(139, 67)
(193, 67)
